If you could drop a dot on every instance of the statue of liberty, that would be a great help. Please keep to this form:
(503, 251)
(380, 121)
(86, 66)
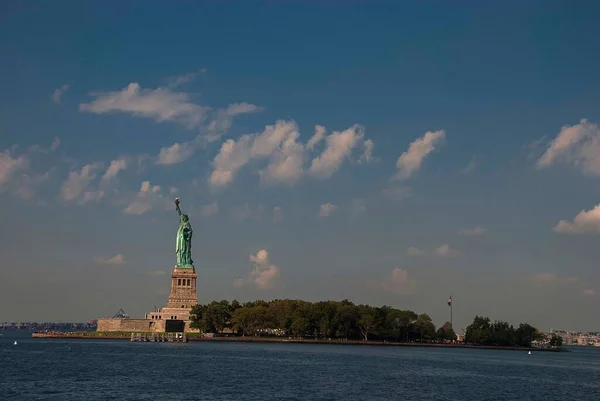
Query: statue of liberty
(183, 247)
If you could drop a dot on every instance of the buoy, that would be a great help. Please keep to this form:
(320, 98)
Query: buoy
(529, 353)
(15, 342)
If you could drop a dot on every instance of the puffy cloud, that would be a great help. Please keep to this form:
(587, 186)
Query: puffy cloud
(264, 274)
(10, 165)
(148, 198)
(397, 192)
(176, 153)
(578, 145)
(26, 183)
(445, 250)
(545, 279)
(211, 209)
(277, 214)
(410, 161)
(286, 163)
(414, 251)
(78, 181)
(245, 212)
(367, 151)
(116, 260)
(56, 95)
(160, 104)
(589, 292)
(473, 163)
(165, 104)
(179, 80)
(339, 146)
(472, 231)
(357, 207)
(234, 155)
(114, 168)
(326, 209)
(316, 138)
(53, 146)
(586, 221)
(399, 282)
(279, 143)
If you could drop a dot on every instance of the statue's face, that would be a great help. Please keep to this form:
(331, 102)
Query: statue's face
(184, 218)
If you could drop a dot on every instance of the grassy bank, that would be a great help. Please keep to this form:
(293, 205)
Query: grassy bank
(195, 337)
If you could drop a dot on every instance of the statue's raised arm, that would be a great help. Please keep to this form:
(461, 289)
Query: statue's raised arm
(177, 206)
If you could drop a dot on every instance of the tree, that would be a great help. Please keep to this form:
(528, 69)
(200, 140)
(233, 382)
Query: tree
(425, 327)
(446, 333)
(478, 332)
(526, 334)
(196, 315)
(367, 320)
(556, 341)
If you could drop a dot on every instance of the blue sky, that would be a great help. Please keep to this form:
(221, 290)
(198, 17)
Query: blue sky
(385, 152)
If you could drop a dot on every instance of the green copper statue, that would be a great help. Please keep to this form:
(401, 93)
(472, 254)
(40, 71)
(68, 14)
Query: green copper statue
(184, 240)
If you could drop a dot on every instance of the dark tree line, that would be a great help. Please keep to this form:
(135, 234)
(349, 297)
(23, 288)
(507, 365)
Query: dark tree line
(484, 332)
(326, 319)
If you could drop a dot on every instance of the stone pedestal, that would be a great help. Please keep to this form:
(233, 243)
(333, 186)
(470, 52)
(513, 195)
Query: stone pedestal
(183, 288)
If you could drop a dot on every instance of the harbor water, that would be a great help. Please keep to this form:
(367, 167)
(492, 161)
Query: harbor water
(46, 369)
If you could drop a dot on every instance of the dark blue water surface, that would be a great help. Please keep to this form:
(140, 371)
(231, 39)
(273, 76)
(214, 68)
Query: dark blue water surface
(38, 369)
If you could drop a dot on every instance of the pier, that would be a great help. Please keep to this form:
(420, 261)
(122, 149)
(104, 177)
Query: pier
(159, 337)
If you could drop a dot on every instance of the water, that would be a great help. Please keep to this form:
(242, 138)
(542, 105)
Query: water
(38, 369)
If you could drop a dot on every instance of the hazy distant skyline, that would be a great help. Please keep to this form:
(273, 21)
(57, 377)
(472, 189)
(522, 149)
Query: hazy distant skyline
(384, 152)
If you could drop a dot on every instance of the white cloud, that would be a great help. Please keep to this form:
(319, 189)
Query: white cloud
(10, 165)
(472, 231)
(148, 198)
(545, 279)
(234, 155)
(589, 292)
(116, 260)
(165, 104)
(211, 209)
(286, 163)
(78, 181)
(316, 138)
(367, 151)
(179, 80)
(410, 161)
(326, 209)
(25, 184)
(245, 212)
(397, 192)
(279, 143)
(473, 163)
(89, 196)
(586, 221)
(399, 282)
(277, 214)
(445, 250)
(339, 146)
(176, 153)
(56, 95)
(357, 207)
(160, 104)
(578, 145)
(414, 251)
(55, 144)
(114, 168)
(264, 274)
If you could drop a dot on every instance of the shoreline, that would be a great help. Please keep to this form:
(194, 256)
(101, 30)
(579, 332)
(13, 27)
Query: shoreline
(248, 339)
